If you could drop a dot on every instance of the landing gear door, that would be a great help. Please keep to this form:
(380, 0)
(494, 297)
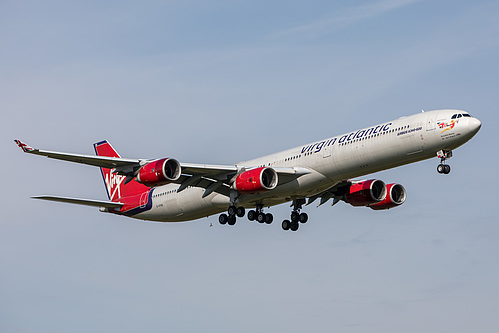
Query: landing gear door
(430, 121)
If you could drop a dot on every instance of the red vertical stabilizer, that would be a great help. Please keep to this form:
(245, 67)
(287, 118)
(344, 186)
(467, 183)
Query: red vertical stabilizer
(115, 184)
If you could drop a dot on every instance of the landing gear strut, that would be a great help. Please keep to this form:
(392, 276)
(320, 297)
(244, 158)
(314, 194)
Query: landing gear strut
(296, 216)
(442, 167)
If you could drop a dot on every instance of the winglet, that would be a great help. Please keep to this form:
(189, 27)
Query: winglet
(24, 146)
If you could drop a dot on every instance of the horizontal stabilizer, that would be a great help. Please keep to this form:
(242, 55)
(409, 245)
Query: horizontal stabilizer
(85, 202)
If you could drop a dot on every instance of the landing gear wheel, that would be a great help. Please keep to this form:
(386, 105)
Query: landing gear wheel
(295, 216)
(286, 225)
(443, 168)
(260, 217)
(240, 211)
(232, 210)
(294, 226)
(223, 218)
(231, 220)
(303, 218)
(269, 218)
(251, 215)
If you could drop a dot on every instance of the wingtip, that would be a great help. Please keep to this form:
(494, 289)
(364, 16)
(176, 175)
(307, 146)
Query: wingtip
(23, 146)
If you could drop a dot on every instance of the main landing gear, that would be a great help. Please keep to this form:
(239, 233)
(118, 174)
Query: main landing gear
(230, 217)
(258, 215)
(442, 167)
(296, 216)
(233, 212)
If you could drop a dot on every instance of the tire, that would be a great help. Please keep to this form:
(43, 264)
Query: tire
(295, 216)
(232, 220)
(260, 217)
(223, 218)
(240, 211)
(232, 210)
(269, 218)
(446, 169)
(303, 217)
(286, 225)
(440, 168)
(294, 226)
(251, 215)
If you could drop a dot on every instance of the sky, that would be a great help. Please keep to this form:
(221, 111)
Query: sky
(223, 81)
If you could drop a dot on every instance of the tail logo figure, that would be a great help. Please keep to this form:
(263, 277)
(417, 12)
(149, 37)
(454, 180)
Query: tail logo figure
(113, 184)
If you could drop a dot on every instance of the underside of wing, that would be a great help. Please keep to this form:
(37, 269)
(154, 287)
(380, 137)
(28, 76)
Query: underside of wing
(289, 174)
(219, 178)
(334, 192)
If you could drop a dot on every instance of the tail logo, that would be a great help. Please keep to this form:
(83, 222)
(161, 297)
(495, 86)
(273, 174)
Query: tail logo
(113, 184)
(23, 146)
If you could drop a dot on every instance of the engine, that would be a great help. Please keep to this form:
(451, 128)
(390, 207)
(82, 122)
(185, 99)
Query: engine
(395, 196)
(159, 172)
(256, 180)
(366, 193)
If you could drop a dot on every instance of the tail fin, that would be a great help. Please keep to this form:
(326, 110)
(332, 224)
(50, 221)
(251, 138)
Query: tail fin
(115, 184)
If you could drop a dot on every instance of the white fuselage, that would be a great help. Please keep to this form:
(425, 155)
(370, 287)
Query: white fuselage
(354, 154)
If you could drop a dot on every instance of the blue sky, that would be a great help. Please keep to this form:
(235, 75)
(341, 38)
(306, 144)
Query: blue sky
(224, 81)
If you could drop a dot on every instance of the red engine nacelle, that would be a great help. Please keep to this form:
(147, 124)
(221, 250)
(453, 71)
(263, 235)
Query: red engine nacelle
(366, 193)
(160, 172)
(395, 196)
(256, 180)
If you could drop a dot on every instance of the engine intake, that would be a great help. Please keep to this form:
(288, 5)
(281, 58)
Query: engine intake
(395, 196)
(256, 180)
(366, 193)
(160, 172)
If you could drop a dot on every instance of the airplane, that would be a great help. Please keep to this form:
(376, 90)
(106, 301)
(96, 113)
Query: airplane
(166, 190)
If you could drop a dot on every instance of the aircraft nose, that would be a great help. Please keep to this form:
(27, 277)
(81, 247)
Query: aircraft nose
(474, 125)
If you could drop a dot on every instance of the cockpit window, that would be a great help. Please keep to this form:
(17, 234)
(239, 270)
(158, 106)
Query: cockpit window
(466, 115)
(454, 116)
(459, 116)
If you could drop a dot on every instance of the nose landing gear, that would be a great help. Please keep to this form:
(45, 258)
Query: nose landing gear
(442, 167)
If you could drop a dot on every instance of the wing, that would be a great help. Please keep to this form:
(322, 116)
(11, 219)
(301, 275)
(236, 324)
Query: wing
(203, 175)
(99, 161)
(213, 178)
(85, 202)
(118, 162)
